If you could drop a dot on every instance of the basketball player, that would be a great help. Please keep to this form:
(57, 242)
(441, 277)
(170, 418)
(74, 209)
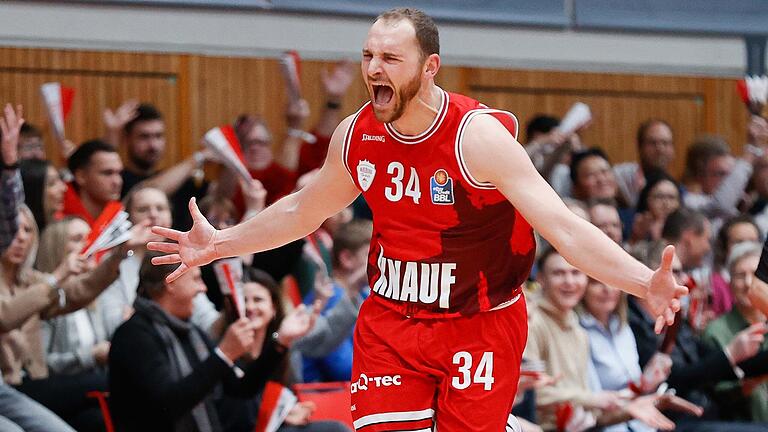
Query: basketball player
(439, 341)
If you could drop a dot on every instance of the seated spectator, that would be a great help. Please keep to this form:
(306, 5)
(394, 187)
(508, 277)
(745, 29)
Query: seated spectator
(147, 205)
(604, 215)
(75, 343)
(96, 168)
(613, 351)
(17, 411)
(735, 230)
(350, 285)
(142, 128)
(264, 307)
(26, 297)
(714, 180)
(656, 151)
(44, 190)
(697, 367)
(167, 369)
(759, 198)
(745, 400)
(659, 198)
(555, 337)
(689, 231)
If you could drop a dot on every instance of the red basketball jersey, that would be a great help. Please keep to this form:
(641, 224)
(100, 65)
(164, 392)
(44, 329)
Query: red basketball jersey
(443, 243)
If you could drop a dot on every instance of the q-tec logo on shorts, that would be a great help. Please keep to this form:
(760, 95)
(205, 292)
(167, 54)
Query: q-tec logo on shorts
(441, 188)
(365, 381)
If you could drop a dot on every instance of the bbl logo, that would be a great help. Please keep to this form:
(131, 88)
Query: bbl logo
(441, 187)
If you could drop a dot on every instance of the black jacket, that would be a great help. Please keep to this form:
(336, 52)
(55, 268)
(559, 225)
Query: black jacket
(143, 396)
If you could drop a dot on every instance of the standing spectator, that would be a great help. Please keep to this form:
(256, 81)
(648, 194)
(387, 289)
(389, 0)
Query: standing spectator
(656, 150)
(745, 400)
(714, 180)
(31, 145)
(143, 129)
(96, 168)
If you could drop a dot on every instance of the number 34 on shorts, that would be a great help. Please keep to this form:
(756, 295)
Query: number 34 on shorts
(471, 373)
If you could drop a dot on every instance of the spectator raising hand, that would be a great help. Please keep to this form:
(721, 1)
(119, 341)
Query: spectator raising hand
(337, 81)
(115, 121)
(10, 125)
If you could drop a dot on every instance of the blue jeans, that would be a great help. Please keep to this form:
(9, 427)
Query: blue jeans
(29, 415)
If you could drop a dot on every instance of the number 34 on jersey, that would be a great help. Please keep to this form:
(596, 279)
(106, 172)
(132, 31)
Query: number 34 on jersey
(404, 183)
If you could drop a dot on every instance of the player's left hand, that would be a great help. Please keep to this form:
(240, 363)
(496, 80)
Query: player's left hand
(664, 292)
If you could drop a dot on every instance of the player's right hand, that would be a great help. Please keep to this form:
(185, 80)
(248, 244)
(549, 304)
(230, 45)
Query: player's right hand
(193, 248)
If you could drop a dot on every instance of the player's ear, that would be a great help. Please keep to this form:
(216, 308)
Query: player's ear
(432, 65)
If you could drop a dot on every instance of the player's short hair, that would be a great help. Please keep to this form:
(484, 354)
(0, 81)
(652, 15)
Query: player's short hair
(426, 30)
(144, 113)
(351, 236)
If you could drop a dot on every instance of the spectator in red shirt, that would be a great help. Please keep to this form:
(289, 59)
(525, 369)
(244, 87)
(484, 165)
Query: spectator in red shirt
(96, 168)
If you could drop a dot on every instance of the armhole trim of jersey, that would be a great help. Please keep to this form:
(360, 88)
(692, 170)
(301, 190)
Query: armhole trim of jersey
(460, 139)
(348, 140)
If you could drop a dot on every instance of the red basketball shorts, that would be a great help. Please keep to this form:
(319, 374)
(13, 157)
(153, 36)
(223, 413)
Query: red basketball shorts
(459, 374)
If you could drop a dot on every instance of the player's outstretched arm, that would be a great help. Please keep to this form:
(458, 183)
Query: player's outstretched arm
(290, 218)
(493, 155)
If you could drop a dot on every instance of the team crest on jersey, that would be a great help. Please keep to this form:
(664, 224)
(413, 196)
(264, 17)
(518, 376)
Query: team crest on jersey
(441, 187)
(366, 171)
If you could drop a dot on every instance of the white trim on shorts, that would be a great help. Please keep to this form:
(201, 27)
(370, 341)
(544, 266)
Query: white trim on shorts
(396, 416)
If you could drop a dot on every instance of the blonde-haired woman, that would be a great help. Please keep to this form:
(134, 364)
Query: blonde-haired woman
(27, 295)
(76, 342)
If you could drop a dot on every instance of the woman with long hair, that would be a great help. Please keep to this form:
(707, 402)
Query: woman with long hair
(43, 189)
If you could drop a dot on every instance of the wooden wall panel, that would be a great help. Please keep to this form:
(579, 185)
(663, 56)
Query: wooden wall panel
(197, 92)
(619, 102)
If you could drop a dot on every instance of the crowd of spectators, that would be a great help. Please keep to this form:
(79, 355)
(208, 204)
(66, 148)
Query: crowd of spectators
(190, 356)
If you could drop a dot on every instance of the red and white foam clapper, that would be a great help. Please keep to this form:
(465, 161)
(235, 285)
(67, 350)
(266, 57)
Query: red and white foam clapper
(58, 103)
(754, 92)
(276, 403)
(229, 274)
(110, 229)
(576, 117)
(223, 142)
(290, 64)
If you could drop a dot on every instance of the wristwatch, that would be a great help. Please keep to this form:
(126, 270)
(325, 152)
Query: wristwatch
(278, 344)
(56, 291)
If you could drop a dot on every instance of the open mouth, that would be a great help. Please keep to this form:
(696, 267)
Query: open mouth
(382, 94)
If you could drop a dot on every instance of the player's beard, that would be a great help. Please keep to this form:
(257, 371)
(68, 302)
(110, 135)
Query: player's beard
(403, 97)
